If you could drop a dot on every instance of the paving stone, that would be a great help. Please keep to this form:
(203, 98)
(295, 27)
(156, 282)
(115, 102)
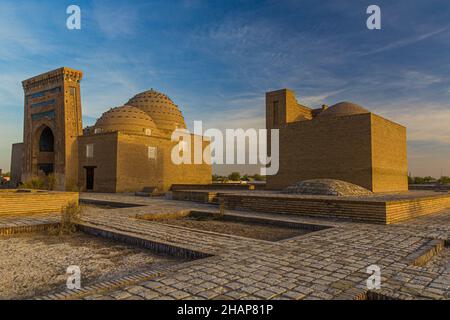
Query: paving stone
(178, 294)
(320, 265)
(120, 295)
(265, 294)
(208, 294)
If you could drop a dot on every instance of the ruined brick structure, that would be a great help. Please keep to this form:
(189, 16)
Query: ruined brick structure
(344, 142)
(129, 147)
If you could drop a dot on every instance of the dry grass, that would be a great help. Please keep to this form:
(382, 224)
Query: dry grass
(40, 183)
(70, 215)
(164, 216)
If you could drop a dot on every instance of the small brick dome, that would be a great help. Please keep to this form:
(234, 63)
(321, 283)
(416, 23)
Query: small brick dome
(161, 108)
(125, 119)
(343, 109)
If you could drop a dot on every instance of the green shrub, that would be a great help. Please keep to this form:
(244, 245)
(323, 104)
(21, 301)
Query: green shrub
(259, 177)
(234, 176)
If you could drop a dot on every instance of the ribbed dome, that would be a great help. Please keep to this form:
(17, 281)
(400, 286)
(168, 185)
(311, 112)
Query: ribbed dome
(343, 109)
(161, 108)
(126, 119)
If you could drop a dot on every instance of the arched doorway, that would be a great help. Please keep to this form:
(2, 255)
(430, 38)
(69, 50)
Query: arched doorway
(47, 141)
(46, 149)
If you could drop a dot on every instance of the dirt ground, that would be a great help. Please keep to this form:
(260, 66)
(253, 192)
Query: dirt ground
(34, 264)
(241, 229)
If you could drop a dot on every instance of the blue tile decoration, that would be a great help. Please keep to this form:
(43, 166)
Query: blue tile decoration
(47, 114)
(43, 103)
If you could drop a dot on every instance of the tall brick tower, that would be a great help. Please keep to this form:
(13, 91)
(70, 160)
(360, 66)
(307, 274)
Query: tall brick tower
(52, 124)
(282, 108)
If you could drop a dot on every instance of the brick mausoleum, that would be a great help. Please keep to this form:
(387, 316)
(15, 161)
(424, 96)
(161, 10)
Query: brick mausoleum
(128, 148)
(344, 142)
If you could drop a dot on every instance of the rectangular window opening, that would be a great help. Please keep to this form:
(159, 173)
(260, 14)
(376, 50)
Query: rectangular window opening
(89, 151)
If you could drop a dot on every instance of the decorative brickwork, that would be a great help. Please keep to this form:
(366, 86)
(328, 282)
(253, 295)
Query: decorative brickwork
(52, 100)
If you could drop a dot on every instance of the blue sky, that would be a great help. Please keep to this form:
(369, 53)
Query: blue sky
(216, 59)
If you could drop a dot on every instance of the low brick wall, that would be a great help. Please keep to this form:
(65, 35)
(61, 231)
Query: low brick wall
(397, 211)
(431, 187)
(378, 212)
(354, 210)
(15, 203)
(26, 229)
(157, 247)
(215, 186)
(195, 196)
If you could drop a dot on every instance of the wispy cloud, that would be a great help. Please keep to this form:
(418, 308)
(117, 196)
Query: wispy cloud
(264, 55)
(321, 98)
(116, 20)
(406, 42)
(217, 59)
(425, 122)
(18, 38)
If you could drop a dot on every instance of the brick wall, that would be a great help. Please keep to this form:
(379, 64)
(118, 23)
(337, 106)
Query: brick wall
(331, 147)
(389, 158)
(123, 165)
(13, 203)
(16, 163)
(195, 196)
(104, 161)
(65, 123)
(213, 186)
(397, 211)
(134, 168)
(355, 210)
(185, 173)
(378, 212)
(364, 149)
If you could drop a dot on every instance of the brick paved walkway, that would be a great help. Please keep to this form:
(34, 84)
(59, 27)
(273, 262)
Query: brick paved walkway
(326, 264)
(26, 223)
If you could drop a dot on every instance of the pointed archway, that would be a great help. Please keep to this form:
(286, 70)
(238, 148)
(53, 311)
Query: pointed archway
(47, 140)
(44, 153)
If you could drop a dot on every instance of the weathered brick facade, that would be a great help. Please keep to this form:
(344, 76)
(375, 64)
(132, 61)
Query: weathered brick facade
(16, 163)
(122, 164)
(52, 102)
(128, 149)
(344, 142)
